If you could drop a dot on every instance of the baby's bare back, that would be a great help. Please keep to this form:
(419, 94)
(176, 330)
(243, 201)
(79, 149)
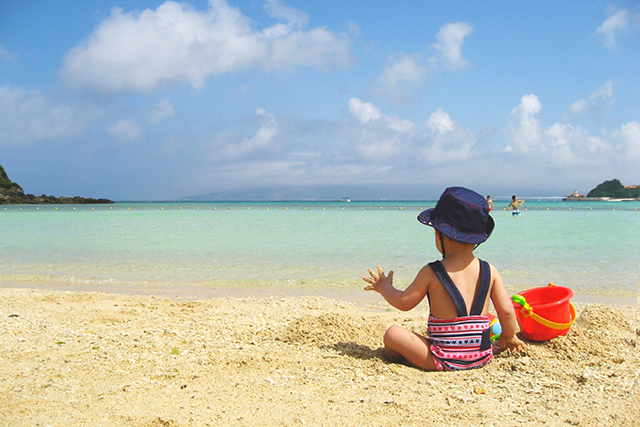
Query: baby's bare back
(466, 278)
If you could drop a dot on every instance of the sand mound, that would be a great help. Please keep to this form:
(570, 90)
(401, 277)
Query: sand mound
(607, 320)
(330, 329)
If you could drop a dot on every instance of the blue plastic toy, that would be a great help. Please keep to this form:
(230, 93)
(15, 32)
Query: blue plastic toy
(495, 328)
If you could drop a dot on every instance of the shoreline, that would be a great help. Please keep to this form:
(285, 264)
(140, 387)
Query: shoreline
(600, 199)
(351, 294)
(106, 359)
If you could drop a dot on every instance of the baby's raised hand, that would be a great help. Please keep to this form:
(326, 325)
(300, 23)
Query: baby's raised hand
(378, 280)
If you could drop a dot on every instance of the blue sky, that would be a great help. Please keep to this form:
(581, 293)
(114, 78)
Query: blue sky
(152, 100)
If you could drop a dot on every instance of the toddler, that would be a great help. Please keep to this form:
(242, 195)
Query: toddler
(459, 289)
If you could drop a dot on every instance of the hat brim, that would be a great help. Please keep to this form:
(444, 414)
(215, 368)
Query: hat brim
(426, 217)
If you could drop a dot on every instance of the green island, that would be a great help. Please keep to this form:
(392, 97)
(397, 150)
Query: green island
(12, 193)
(608, 190)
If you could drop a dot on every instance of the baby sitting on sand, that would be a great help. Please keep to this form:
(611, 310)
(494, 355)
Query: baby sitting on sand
(458, 288)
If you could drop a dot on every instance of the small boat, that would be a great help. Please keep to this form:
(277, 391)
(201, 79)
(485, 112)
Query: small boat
(345, 199)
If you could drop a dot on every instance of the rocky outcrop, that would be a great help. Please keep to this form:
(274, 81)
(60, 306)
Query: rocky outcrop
(12, 193)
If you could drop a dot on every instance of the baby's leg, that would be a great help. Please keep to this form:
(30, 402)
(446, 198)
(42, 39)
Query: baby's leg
(400, 343)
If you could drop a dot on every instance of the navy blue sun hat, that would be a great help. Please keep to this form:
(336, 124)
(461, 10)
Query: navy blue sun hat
(460, 214)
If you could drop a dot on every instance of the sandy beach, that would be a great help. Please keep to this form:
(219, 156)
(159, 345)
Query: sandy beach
(99, 359)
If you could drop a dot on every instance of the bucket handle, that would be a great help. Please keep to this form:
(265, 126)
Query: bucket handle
(527, 311)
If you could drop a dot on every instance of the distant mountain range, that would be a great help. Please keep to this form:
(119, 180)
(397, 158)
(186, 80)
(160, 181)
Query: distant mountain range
(380, 192)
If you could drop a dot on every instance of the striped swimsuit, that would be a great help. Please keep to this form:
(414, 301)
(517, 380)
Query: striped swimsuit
(463, 342)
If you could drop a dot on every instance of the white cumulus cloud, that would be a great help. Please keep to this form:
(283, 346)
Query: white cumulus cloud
(612, 26)
(263, 139)
(293, 17)
(576, 108)
(367, 112)
(404, 74)
(381, 137)
(178, 44)
(524, 128)
(605, 93)
(603, 97)
(440, 123)
(364, 111)
(451, 37)
(378, 136)
(572, 146)
(445, 141)
(565, 145)
(629, 137)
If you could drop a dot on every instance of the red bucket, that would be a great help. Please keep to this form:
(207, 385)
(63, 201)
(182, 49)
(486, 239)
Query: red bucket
(544, 313)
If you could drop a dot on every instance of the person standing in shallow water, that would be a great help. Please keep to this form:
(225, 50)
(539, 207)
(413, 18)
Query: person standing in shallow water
(490, 203)
(459, 289)
(515, 205)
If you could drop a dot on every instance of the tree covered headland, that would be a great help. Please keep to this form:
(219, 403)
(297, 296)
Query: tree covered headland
(5, 182)
(12, 194)
(615, 189)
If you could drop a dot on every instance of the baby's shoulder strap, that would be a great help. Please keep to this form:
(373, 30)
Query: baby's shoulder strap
(481, 296)
(450, 287)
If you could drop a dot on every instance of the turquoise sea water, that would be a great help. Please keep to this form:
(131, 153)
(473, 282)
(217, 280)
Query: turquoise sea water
(275, 248)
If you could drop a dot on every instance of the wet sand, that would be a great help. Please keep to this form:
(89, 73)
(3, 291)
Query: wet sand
(98, 359)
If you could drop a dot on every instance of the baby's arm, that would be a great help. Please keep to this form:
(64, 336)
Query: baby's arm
(506, 314)
(402, 300)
